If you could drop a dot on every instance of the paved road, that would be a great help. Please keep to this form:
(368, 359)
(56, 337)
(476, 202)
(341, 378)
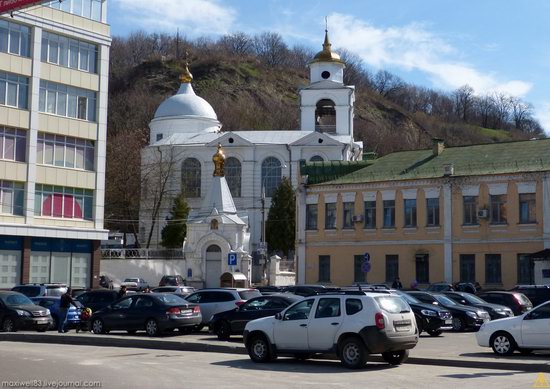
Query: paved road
(140, 368)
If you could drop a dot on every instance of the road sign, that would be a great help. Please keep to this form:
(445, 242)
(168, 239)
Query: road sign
(365, 266)
(232, 259)
(366, 257)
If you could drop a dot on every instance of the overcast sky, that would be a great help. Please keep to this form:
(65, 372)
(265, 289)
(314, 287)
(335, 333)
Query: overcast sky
(491, 45)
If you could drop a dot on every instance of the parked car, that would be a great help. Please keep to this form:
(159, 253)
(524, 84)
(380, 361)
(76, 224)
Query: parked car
(307, 290)
(538, 294)
(232, 322)
(496, 311)
(184, 290)
(35, 290)
(176, 280)
(152, 312)
(464, 317)
(53, 303)
(97, 299)
(439, 287)
(215, 300)
(517, 302)
(525, 333)
(105, 282)
(136, 283)
(269, 289)
(18, 312)
(351, 324)
(429, 317)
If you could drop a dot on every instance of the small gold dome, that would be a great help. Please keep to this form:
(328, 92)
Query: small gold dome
(326, 55)
(186, 77)
(219, 162)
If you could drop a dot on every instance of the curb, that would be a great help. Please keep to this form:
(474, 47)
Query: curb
(148, 343)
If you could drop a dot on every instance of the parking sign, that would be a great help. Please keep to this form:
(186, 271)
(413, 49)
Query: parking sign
(232, 259)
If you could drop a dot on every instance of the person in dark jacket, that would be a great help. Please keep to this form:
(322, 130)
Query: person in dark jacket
(397, 284)
(122, 291)
(64, 304)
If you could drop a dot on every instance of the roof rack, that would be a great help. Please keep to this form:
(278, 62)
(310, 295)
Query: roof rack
(361, 292)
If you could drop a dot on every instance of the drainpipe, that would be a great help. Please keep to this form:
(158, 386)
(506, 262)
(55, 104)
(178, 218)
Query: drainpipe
(289, 161)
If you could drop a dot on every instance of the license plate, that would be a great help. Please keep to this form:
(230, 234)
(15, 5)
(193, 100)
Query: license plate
(186, 311)
(402, 328)
(450, 321)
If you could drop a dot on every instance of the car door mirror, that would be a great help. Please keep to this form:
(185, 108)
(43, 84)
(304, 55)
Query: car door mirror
(279, 316)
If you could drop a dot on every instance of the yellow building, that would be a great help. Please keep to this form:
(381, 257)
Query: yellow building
(469, 214)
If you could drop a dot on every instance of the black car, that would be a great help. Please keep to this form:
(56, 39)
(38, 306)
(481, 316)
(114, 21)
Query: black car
(176, 280)
(269, 289)
(152, 312)
(97, 299)
(18, 312)
(308, 290)
(225, 324)
(37, 290)
(517, 302)
(538, 294)
(463, 316)
(429, 317)
(496, 311)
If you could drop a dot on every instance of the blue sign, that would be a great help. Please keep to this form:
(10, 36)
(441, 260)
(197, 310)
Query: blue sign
(232, 259)
(366, 257)
(365, 266)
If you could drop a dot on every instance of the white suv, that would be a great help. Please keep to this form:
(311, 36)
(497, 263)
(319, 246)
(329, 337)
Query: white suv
(215, 300)
(351, 324)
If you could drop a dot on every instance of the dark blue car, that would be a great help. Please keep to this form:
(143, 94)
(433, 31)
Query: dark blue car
(53, 304)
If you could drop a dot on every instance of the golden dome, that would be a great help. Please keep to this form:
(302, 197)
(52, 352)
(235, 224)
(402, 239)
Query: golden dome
(326, 55)
(186, 77)
(219, 161)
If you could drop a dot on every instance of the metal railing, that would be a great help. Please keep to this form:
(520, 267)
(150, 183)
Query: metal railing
(142, 254)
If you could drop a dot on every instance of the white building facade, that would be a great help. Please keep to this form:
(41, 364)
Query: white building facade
(54, 65)
(186, 127)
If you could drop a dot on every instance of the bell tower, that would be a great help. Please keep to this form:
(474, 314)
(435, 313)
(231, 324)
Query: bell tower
(326, 104)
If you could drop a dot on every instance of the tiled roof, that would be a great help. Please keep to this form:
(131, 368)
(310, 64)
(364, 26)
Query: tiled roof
(494, 158)
(319, 172)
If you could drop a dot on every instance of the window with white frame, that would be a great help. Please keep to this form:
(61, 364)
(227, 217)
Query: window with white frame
(68, 101)
(469, 204)
(90, 9)
(527, 208)
(388, 213)
(13, 144)
(432, 212)
(67, 203)
(14, 38)
(311, 216)
(330, 216)
(12, 196)
(497, 208)
(14, 90)
(272, 174)
(233, 175)
(410, 212)
(71, 53)
(347, 215)
(191, 178)
(65, 151)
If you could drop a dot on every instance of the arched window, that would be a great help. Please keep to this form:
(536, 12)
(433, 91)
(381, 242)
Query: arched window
(316, 158)
(325, 116)
(191, 178)
(213, 249)
(271, 175)
(213, 224)
(233, 175)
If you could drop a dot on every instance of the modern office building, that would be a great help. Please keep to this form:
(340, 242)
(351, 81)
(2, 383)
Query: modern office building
(470, 214)
(54, 64)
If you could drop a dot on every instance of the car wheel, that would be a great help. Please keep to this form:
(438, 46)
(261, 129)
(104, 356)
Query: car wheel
(396, 357)
(223, 330)
(435, 332)
(98, 327)
(151, 327)
(9, 325)
(502, 343)
(353, 354)
(259, 349)
(458, 324)
(131, 332)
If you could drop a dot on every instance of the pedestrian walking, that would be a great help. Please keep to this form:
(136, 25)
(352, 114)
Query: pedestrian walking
(122, 292)
(397, 284)
(64, 304)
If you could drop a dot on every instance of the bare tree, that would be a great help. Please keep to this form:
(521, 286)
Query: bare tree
(521, 113)
(158, 167)
(464, 101)
(387, 84)
(238, 44)
(271, 49)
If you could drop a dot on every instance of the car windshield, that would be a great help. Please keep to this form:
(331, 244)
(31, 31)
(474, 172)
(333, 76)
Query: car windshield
(408, 298)
(131, 280)
(473, 299)
(248, 294)
(522, 298)
(393, 304)
(444, 300)
(16, 299)
(169, 299)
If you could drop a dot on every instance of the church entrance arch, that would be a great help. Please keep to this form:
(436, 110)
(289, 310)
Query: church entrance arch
(213, 266)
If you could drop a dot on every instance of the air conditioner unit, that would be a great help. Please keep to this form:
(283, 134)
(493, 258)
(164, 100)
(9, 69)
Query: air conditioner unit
(357, 218)
(483, 213)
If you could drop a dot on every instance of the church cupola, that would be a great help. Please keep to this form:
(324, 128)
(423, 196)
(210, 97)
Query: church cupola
(326, 65)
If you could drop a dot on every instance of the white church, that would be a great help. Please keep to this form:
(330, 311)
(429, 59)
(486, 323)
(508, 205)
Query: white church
(226, 211)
